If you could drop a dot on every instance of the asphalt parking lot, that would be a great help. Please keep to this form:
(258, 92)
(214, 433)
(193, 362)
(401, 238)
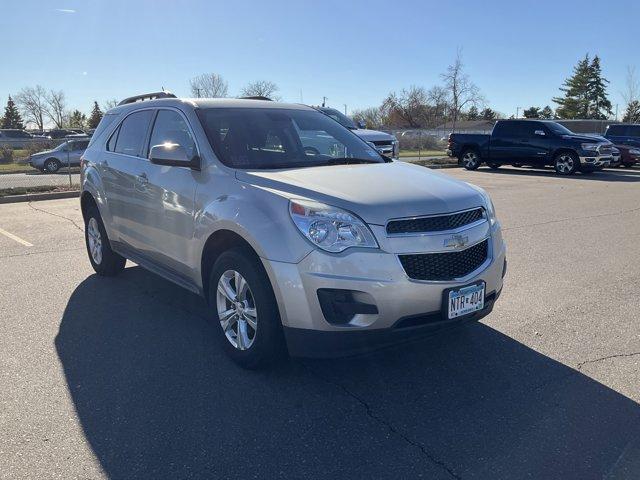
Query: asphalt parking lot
(121, 377)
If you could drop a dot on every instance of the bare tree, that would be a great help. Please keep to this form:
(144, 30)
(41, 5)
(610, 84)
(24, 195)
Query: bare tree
(462, 91)
(109, 104)
(372, 117)
(410, 107)
(208, 85)
(632, 87)
(32, 104)
(439, 98)
(55, 107)
(261, 88)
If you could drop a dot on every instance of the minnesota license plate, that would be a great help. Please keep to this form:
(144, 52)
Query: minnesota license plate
(465, 300)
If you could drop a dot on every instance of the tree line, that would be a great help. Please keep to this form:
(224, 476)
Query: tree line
(583, 95)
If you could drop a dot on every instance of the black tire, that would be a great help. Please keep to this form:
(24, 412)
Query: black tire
(52, 165)
(470, 159)
(108, 263)
(566, 163)
(267, 343)
(494, 166)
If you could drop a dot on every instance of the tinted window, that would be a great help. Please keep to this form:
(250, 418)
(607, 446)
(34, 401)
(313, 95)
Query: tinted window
(339, 117)
(133, 132)
(102, 126)
(528, 129)
(80, 145)
(170, 127)
(633, 130)
(616, 130)
(506, 129)
(281, 138)
(111, 144)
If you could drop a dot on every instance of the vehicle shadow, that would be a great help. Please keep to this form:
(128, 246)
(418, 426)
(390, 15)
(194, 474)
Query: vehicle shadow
(607, 175)
(157, 398)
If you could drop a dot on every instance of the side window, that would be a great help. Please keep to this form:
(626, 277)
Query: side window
(102, 126)
(170, 127)
(81, 145)
(528, 129)
(111, 144)
(633, 130)
(616, 130)
(506, 129)
(133, 132)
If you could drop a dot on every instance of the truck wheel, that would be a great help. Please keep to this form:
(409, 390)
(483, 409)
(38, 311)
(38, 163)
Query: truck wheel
(52, 165)
(470, 159)
(566, 163)
(104, 261)
(245, 310)
(493, 166)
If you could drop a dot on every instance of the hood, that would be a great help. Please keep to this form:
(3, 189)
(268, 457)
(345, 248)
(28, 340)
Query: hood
(374, 192)
(373, 135)
(586, 138)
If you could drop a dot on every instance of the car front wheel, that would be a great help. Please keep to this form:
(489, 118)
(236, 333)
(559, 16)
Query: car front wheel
(52, 165)
(566, 163)
(244, 307)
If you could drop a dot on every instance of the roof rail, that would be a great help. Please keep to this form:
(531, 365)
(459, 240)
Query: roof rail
(256, 97)
(146, 96)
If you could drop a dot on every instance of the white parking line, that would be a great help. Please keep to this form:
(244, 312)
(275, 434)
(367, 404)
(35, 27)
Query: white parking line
(17, 239)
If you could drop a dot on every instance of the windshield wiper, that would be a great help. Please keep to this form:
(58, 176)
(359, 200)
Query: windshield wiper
(348, 161)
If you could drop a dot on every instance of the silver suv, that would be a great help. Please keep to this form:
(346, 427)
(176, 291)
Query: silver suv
(318, 252)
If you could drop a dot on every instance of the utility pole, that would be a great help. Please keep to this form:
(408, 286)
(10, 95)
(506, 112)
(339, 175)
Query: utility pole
(517, 111)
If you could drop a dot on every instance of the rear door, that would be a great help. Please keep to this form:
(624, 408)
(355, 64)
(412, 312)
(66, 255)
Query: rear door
(506, 145)
(121, 177)
(167, 204)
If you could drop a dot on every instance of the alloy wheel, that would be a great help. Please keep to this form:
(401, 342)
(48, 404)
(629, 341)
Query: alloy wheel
(236, 310)
(470, 159)
(565, 164)
(95, 240)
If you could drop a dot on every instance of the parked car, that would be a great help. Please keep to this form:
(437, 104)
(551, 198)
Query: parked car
(385, 143)
(65, 154)
(616, 157)
(60, 133)
(315, 253)
(629, 155)
(624, 134)
(535, 143)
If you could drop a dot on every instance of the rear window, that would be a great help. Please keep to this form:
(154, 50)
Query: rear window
(506, 129)
(132, 133)
(616, 130)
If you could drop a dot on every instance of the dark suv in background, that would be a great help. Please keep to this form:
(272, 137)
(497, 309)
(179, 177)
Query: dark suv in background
(626, 138)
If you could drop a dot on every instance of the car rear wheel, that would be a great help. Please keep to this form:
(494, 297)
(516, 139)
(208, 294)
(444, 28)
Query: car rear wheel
(470, 159)
(566, 163)
(244, 308)
(103, 259)
(52, 165)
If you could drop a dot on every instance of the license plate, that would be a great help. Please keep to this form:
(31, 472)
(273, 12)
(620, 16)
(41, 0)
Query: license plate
(465, 300)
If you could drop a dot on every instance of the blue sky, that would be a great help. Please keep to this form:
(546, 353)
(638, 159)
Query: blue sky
(353, 52)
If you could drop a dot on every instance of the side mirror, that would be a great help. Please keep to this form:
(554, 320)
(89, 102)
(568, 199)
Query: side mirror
(361, 124)
(540, 132)
(173, 155)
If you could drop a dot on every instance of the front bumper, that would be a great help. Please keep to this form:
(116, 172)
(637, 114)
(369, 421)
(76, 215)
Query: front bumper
(596, 161)
(378, 277)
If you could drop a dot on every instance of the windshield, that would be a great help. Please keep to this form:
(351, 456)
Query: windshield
(559, 129)
(339, 117)
(264, 138)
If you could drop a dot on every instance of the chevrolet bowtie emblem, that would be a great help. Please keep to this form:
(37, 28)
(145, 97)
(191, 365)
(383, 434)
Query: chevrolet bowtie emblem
(456, 241)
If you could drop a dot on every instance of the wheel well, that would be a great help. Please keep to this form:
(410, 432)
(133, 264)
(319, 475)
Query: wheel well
(470, 148)
(563, 150)
(86, 201)
(216, 244)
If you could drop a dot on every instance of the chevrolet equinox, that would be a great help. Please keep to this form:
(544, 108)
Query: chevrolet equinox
(299, 234)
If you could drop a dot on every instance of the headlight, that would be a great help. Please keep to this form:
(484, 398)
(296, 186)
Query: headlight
(488, 204)
(330, 228)
(634, 151)
(592, 147)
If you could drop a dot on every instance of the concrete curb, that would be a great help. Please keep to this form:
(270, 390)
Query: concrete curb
(34, 197)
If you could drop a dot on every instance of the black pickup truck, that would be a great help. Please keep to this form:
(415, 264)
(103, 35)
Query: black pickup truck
(536, 143)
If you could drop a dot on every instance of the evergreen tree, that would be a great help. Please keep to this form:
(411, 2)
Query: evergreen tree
(632, 114)
(532, 112)
(546, 113)
(574, 103)
(488, 114)
(473, 113)
(599, 105)
(12, 118)
(77, 119)
(96, 116)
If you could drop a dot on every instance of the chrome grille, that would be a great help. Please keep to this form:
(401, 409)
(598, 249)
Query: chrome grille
(447, 265)
(434, 224)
